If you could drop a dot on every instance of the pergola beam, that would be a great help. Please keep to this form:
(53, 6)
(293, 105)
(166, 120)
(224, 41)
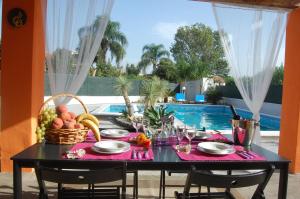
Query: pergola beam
(288, 4)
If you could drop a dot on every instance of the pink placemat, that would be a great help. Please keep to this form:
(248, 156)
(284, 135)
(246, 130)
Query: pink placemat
(91, 155)
(196, 155)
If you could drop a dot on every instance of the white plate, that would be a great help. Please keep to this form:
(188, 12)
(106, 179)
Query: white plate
(95, 149)
(202, 135)
(111, 146)
(114, 133)
(215, 148)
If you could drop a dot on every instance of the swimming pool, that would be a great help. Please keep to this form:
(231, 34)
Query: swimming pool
(208, 116)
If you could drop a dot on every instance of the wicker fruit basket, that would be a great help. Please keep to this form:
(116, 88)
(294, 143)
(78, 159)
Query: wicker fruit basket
(62, 135)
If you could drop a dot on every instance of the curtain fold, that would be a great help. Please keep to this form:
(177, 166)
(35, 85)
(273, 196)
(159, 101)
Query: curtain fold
(74, 31)
(251, 38)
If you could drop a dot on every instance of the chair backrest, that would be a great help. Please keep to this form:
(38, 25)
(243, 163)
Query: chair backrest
(180, 97)
(200, 98)
(107, 173)
(209, 179)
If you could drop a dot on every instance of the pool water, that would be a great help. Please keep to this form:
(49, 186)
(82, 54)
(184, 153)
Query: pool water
(208, 116)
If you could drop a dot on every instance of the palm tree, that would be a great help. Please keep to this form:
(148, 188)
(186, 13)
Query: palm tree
(123, 85)
(152, 54)
(152, 89)
(114, 41)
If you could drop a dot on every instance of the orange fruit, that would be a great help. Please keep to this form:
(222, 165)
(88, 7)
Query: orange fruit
(141, 138)
(147, 143)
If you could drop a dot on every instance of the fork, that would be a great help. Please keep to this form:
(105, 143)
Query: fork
(243, 155)
(146, 154)
(133, 154)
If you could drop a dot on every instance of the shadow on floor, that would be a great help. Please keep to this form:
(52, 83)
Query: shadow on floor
(6, 193)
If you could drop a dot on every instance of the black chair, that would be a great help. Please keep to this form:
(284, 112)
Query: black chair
(134, 185)
(225, 181)
(62, 176)
(163, 185)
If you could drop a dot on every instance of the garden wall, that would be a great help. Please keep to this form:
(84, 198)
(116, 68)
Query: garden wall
(102, 86)
(274, 94)
(267, 108)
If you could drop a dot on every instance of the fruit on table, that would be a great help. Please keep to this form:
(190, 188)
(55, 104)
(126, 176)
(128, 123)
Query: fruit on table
(60, 117)
(91, 125)
(147, 143)
(73, 115)
(69, 124)
(88, 116)
(142, 140)
(65, 116)
(57, 123)
(61, 109)
(78, 126)
(45, 122)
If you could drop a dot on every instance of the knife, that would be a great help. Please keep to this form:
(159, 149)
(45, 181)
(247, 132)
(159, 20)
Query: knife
(133, 154)
(146, 155)
(139, 155)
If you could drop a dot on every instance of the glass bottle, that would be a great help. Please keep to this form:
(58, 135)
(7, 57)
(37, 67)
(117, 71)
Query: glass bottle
(163, 135)
(172, 135)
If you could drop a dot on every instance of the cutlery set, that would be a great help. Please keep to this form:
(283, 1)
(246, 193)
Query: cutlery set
(139, 154)
(245, 154)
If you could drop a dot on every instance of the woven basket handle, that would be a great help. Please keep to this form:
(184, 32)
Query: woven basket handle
(63, 95)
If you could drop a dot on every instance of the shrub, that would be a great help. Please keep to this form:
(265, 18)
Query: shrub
(157, 115)
(213, 95)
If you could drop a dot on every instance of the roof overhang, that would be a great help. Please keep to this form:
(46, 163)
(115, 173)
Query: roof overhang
(286, 4)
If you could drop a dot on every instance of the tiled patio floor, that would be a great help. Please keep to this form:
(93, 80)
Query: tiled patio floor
(148, 187)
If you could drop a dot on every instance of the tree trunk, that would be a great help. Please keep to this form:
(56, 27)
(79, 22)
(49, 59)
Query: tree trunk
(146, 105)
(128, 103)
(94, 72)
(104, 49)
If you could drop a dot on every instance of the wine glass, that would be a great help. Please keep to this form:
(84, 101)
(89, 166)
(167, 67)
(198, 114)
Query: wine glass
(179, 134)
(135, 126)
(145, 125)
(190, 134)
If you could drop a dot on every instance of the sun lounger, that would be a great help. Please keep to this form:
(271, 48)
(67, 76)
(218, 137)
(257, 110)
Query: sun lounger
(180, 97)
(199, 99)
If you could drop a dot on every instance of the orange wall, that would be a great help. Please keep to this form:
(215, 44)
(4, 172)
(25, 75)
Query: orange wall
(289, 143)
(22, 82)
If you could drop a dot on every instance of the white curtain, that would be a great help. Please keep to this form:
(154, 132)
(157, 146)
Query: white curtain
(74, 30)
(251, 39)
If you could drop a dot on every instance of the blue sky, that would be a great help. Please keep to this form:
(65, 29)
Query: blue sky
(156, 21)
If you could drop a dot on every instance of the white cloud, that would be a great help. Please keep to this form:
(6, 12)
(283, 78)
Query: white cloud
(167, 30)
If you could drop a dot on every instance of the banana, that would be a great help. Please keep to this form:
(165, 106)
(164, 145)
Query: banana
(91, 125)
(88, 116)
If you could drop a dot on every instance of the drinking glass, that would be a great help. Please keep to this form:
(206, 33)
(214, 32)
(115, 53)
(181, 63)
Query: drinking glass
(135, 126)
(179, 134)
(190, 134)
(145, 125)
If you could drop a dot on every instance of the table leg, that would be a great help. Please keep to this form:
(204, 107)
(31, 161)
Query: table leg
(283, 182)
(17, 180)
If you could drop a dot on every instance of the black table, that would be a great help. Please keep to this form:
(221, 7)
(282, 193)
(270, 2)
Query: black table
(164, 158)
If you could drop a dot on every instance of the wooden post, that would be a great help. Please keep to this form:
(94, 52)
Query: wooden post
(22, 77)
